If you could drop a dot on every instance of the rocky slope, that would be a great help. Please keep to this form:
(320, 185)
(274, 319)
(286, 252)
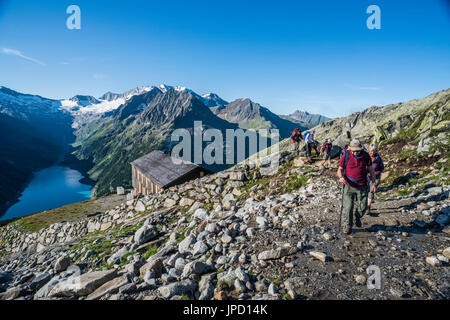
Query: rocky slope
(414, 120)
(240, 234)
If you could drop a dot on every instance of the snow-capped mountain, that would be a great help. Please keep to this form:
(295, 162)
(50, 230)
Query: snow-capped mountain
(87, 108)
(213, 100)
(208, 99)
(23, 106)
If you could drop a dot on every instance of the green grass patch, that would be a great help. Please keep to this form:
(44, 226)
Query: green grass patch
(128, 231)
(209, 206)
(295, 182)
(408, 154)
(180, 238)
(3, 253)
(125, 258)
(151, 251)
(68, 213)
(44, 219)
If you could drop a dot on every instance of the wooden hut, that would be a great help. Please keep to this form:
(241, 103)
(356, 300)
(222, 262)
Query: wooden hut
(157, 171)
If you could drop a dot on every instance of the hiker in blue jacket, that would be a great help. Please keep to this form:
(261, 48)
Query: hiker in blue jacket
(309, 140)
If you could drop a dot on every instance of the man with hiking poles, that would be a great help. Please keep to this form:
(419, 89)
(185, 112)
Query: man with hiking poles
(354, 166)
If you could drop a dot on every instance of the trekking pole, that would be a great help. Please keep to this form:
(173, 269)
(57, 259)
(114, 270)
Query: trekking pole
(342, 205)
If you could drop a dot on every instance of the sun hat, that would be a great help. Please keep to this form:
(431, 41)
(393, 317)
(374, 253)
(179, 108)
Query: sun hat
(355, 145)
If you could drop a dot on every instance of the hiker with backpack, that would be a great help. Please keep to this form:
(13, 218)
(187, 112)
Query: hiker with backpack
(296, 137)
(309, 140)
(354, 166)
(378, 168)
(326, 151)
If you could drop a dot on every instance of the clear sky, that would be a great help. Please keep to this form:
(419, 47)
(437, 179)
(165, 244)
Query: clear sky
(317, 56)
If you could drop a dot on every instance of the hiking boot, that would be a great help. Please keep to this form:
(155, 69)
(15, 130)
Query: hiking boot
(347, 230)
(358, 221)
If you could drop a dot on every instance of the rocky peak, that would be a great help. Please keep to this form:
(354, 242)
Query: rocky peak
(84, 100)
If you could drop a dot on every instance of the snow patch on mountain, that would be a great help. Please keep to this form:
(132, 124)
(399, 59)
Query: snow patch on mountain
(21, 106)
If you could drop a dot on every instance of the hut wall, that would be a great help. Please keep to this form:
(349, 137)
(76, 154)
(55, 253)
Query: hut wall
(142, 184)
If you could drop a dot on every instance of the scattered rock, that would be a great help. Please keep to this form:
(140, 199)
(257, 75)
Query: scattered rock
(40, 280)
(277, 253)
(446, 252)
(360, 279)
(319, 255)
(140, 207)
(433, 261)
(109, 287)
(145, 234)
(178, 289)
(155, 265)
(201, 214)
(62, 264)
(82, 285)
(395, 292)
(273, 290)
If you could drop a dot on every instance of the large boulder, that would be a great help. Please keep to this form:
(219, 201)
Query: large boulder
(237, 175)
(199, 248)
(277, 253)
(140, 207)
(111, 286)
(83, 285)
(145, 234)
(201, 214)
(62, 264)
(184, 245)
(194, 267)
(169, 203)
(155, 265)
(178, 288)
(39, 281)
(45, 290)
(117, 256)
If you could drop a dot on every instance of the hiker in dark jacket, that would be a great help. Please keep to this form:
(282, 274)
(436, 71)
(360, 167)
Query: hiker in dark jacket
(296, 137)
(354, 166)
(326, 151)
(378, 168)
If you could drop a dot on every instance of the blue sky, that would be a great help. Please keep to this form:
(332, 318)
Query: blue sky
(286, 55)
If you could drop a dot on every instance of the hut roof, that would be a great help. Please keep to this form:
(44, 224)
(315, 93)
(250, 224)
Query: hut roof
(162, 168)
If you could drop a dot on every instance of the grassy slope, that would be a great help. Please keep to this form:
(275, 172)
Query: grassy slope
(70, 212)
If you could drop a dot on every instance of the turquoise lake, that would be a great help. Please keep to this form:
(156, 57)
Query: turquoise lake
(51, 188)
